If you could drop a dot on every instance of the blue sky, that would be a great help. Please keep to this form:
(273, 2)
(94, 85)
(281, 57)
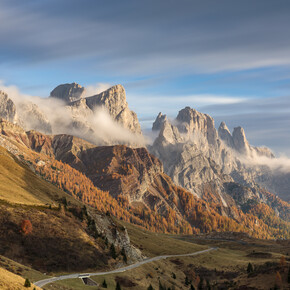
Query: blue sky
(230, 59)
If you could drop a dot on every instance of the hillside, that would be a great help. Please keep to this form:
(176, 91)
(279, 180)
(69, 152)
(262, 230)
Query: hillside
(9, 281)
(139, 190)
(40, 224)
(18, 183)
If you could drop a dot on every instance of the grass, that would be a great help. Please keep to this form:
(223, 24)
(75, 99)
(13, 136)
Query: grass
(156, 244)
(9, 281)
(21, 270)
(19, 184)
(75, 284)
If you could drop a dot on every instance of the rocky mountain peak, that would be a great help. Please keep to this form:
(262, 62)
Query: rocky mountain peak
(114, 101)
(191, 121)
(168, 134)
(225, 134)
(68, 92)
(160, 119)
(240, 141)
(7, 108)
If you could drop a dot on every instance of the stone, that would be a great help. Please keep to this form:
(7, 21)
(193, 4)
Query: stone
(7, 108)
(160, 119)
(68, 92)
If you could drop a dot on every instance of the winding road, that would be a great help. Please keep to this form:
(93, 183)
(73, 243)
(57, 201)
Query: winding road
(41, 283)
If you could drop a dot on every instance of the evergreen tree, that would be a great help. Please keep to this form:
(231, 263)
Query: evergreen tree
(200, 284)
(27, 283)
(113, 251)
(123, 253)
(150, 287)
(104, 284)
(161, 287)
(186, 281)
(118, 286)
(173, 276)
(208, 287)
(192, 287)
(250, 268)
(289, 275)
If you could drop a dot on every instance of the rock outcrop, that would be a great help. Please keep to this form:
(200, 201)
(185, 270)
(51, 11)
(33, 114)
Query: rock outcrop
(195, 155)
(160, 119)
(7, 108)
(68, 92)
(225, 135)
(194, 122)
(96, 118)
(33, 118)
(114, 102)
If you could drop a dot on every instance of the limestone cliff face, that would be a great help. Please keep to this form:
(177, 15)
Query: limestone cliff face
(160, 119)
(33, 118)
(78, 115)
(192, 121)
(114, 101)
(68, 92)
(7, 108)
(225, 135)
(195, 154)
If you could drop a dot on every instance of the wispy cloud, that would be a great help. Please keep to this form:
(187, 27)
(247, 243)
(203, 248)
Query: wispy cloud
(185, 36)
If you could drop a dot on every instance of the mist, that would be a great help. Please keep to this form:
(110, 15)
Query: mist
(277, 164)
(53, 116)
(95, 89)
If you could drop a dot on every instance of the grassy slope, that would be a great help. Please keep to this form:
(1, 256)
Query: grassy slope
(10, 281)
(18, 184)
(155, 244)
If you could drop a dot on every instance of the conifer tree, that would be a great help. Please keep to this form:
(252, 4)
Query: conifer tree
(113, 251)
(27, 283)
(104, 284)
(250, 268)
(118, 286)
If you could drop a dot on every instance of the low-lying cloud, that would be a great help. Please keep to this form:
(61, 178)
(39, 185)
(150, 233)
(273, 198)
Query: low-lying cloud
(94, 126)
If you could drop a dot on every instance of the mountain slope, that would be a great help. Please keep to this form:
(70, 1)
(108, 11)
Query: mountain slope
(9, 280)
(139, 190)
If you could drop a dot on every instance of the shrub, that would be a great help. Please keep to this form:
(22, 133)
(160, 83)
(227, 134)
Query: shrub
(250, 268)
(26, 227)
(104, 284)
(27, 283)
(118, 286)
(113, 251)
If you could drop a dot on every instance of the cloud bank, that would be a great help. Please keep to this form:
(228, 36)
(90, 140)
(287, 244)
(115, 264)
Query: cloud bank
(94, 126)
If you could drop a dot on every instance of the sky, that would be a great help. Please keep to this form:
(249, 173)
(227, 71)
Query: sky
(229, 59)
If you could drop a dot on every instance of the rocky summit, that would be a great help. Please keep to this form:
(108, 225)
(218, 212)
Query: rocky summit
(114, 102)
(7, 108)
(67, 110)
(68, 92)
(194, 153)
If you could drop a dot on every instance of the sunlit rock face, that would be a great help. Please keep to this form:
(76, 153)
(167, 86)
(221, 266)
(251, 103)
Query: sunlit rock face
(160, 119)
(194, 154)
(104, 118)
(7, 108)
(68, 92)
(114, 101)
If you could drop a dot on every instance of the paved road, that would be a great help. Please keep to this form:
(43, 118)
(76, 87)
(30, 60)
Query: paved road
(41, 283)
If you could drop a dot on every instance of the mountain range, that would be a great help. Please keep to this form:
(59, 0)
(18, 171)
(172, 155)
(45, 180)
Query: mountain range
(191, 178)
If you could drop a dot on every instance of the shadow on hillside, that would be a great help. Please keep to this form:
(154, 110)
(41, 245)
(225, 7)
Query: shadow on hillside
(55, 243)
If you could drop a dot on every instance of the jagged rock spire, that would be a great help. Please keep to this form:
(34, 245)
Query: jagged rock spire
(225, 134)
(160, 119)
